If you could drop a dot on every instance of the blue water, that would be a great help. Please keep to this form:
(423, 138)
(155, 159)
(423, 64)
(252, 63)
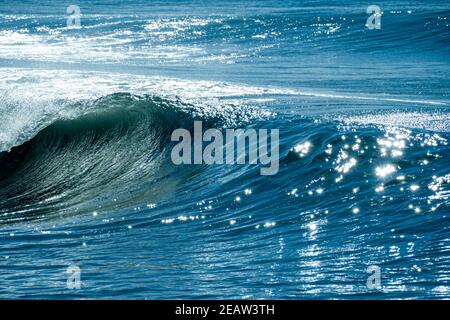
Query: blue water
(86, 177)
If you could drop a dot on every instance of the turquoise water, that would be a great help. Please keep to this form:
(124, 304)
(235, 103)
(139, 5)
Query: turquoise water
(86, 178)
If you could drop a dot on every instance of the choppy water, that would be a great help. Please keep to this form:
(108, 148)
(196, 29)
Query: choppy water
(86, 177)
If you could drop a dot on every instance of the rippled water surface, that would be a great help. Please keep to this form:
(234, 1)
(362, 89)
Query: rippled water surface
(86, 178)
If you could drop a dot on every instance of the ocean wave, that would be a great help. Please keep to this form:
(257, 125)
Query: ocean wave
(86, 177)
(117, 147)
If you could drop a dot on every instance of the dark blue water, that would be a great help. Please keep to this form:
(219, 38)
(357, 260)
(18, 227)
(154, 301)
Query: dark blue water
(86, 177)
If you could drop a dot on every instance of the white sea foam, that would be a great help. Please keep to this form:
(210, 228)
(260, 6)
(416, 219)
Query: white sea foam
(31, 99)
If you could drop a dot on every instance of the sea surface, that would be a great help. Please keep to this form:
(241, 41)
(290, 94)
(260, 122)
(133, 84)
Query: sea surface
(86, 178)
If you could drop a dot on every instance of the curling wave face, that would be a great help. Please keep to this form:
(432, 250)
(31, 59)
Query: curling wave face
(114, 155)
(97, 155)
